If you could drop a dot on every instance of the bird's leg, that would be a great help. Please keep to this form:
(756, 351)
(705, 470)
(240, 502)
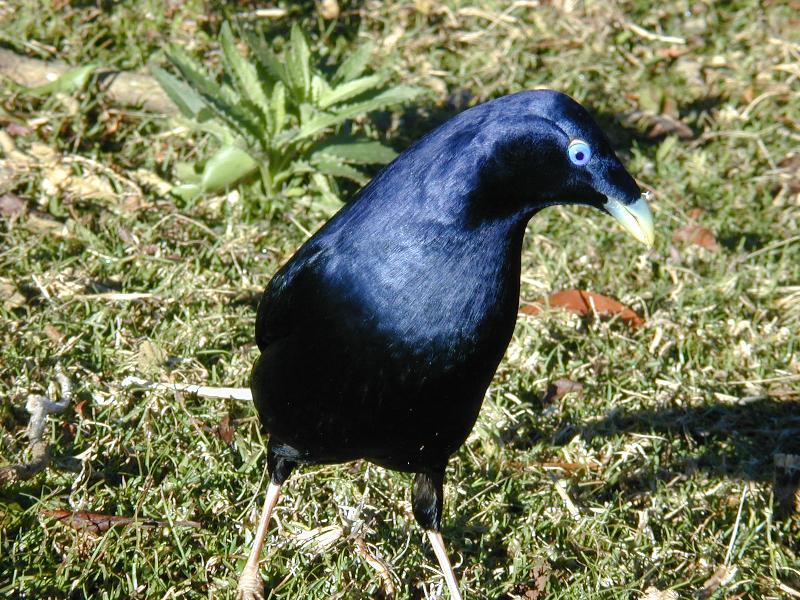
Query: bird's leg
(444, 562)
(250, 585)
(427, 497)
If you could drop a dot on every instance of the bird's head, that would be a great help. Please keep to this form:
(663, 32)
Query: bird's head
(547, 150)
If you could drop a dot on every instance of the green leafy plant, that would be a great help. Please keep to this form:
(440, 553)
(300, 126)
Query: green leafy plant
(278, 119)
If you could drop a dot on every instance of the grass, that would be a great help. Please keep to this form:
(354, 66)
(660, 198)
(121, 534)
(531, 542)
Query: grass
(671, 454)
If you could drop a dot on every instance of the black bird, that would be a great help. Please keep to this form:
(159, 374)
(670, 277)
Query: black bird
(382, 333)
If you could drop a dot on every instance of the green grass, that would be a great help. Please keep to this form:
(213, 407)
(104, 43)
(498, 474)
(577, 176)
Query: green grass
(675, 421)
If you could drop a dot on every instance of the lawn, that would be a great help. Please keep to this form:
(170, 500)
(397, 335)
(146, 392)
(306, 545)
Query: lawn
(610, 460)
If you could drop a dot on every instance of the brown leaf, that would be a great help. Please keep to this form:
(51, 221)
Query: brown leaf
(80, 409)
(672, 51)
(329, 9)
(661, 125)
(695, 213)
(720, 577)
(569, 467)
(10, 295)
(697, 235)
(39, 222)
(225, 429)
(82, 520)
(53, 334)
(539, 577)
(11, 206)
(790, 172)
(17, 129)
(560, 388)
(653, 593)
(585, 303)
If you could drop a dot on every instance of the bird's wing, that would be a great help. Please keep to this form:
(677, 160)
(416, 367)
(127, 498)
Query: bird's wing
(284, 297)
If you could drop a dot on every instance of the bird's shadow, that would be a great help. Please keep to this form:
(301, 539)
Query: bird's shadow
(754, 440)
(746, 441)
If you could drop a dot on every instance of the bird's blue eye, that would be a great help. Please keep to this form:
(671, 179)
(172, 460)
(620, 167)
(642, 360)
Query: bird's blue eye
(579, 152)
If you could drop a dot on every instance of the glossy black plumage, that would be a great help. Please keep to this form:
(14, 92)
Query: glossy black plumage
(381, 335)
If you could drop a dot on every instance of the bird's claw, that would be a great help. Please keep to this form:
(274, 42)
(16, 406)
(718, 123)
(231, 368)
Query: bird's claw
(250, 586)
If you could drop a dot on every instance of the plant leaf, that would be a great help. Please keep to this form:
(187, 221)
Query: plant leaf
(244, 72)
(330, 166)
(386, 98)
(273, 68)
(278, 104)
(71, 81)
(189, 102)
(225, 103)
(297, 64)
(354, 65)
(226, 167)
(186, 191)
(319, 89)
(358, 151)
(348, 90)
(329, 201)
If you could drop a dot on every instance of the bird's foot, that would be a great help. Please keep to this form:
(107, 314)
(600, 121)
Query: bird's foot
(250, 585)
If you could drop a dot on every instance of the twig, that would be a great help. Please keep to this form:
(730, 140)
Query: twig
(263, 13)
(561, 486)
(229, 393)
(653, 37)
(117, 296)
(791, 591)
(771, 247)
(83, 520)
(736, 526)
(764, 380)
(39, 407)
(376, 563)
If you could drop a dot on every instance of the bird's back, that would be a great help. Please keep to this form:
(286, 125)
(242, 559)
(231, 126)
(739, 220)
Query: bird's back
(381, 335)
(381, 344)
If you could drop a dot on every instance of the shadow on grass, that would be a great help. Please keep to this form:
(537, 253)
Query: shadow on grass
(743, 441)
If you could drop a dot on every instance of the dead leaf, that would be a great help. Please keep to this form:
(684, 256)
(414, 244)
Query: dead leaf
(585, 303)
(653, 593)
(539, 577)
(82, 520)
(697, 235)
(790, 162)
(673, 51)
(149, 357)
(560, 388)
(12, 206)
(661, 125)
(225, 429)
(151, 181)
(45, 224)
(319, 539)
(569, 467)
(378, 564)
(720, 577)
(790, 172)
(10, 295)
(17, 129)
(53, 334)
(329, 9)
(80, 409)
(695, 213)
